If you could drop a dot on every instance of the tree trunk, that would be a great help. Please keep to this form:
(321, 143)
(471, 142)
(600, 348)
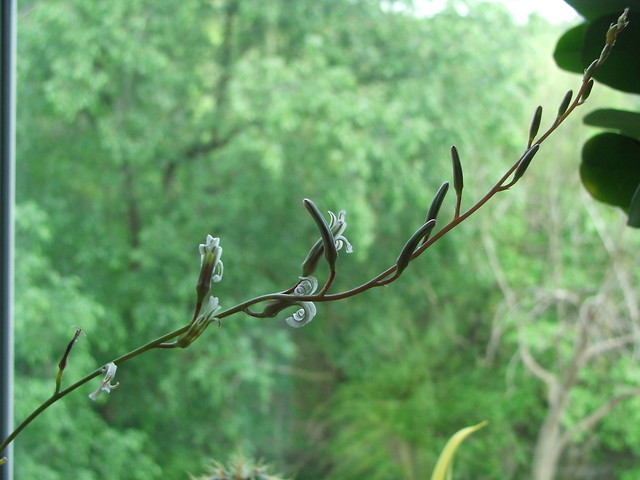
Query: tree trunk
(548, 449)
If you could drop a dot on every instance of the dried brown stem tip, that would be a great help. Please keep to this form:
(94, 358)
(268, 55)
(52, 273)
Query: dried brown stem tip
(65, 356)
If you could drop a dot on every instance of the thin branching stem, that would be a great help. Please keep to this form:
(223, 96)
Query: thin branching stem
(64, 392)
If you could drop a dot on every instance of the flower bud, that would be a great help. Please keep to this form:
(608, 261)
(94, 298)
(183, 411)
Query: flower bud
(211, 267)
(535, 124)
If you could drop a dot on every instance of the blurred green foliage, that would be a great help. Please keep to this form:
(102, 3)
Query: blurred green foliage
(144, 126)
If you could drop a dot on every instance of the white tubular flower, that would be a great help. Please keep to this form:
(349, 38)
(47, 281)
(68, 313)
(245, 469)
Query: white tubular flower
(210, 252)
(338, 225)
(105, 386)
(305, 314)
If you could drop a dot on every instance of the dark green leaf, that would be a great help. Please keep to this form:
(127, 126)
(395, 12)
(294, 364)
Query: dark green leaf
(610, 168)
(634, 210)
(568, 49)
(627, 123)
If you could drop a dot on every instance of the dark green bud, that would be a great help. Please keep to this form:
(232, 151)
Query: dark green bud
(535, 124)
(587, 91)
(458, 181)
(434, 208)
(591, 69)
(195, 330)
(313, 257)
(407, 251)
(330, 250)
(525, 161)
(565, 103)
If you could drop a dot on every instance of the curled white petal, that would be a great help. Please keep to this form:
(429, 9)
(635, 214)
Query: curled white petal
(307, 285)
(338, 225)
(342, 240)
(303, 315)
(218, 269)
(106, 386)
(332, 218)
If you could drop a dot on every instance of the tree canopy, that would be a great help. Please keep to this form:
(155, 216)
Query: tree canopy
(143, 126)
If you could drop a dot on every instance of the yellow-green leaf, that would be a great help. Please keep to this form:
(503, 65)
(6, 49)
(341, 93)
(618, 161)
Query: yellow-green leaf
(442, 470)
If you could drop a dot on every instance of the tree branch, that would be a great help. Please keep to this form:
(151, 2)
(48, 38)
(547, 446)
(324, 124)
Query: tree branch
(609, 344)
(594, 417)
